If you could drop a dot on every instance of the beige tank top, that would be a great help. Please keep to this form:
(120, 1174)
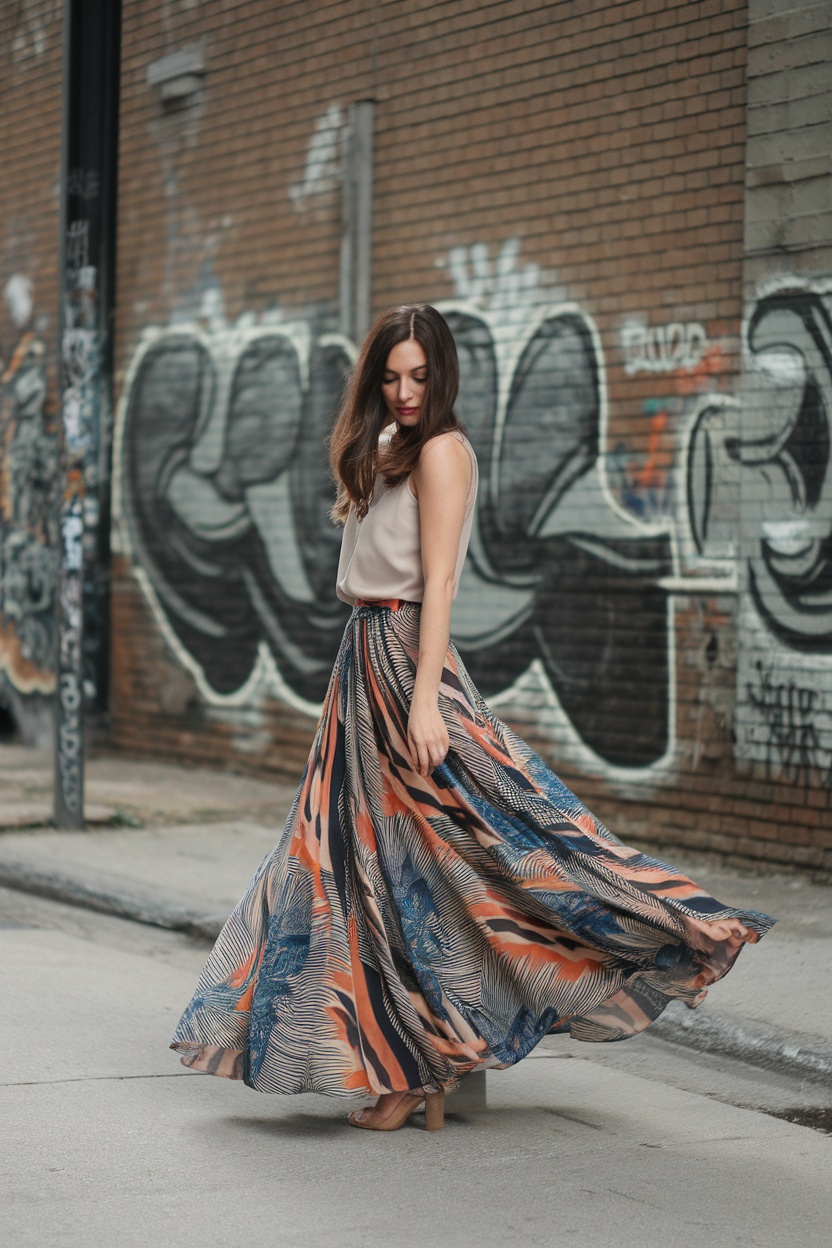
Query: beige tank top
(381, 555)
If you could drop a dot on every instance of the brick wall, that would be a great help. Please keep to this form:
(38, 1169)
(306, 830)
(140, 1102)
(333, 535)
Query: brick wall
(569, 183)
(783, 709)
(789, 169)
(30, 103)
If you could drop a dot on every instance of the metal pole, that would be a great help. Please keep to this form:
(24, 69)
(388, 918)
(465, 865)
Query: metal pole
(361, 123)
(357, 221)
(85, 311)
(346, 276)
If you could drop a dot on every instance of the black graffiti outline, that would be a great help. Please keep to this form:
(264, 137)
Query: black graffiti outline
(791, 461)
(789, 598)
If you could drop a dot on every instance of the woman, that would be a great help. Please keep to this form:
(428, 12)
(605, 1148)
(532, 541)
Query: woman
(439, 901)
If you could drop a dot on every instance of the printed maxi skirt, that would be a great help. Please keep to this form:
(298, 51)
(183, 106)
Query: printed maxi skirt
(406, 930)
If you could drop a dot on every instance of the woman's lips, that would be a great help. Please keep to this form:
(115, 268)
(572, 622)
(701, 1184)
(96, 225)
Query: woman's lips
(407, 411)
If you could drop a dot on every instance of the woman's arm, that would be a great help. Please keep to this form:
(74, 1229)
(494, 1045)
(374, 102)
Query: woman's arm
(442, 479)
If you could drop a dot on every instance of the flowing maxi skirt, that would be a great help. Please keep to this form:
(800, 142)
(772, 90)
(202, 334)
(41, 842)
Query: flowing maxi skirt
(406, 930)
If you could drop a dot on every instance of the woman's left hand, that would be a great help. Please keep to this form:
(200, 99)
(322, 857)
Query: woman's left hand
(427, 736)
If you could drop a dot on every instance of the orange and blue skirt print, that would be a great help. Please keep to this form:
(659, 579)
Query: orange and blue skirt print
(406, 930)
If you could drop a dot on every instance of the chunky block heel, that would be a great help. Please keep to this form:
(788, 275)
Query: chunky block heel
(434, 1111)
(434, 1103)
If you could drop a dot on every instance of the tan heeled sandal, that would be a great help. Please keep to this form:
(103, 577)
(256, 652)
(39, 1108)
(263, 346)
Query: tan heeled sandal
(434, 1103)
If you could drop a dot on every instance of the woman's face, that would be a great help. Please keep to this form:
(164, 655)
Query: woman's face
(403, 383)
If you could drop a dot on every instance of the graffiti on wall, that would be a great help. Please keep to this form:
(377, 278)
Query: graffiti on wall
(224, 493)
(644, 477)
(29, 29)
(559, 576)
(663, 348)
(577, 547)
(69, 751)
(772, 452)
(28, 504)
(789, 714)
(323, 168)
(644, 480)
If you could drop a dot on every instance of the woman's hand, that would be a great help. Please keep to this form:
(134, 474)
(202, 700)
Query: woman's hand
(705, 934)
(427, 735)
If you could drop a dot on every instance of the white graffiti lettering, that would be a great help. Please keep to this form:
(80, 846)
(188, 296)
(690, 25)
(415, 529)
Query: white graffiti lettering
(323, 159)
(663, 348)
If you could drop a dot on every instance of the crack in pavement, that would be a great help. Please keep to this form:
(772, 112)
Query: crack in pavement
(37, 1083)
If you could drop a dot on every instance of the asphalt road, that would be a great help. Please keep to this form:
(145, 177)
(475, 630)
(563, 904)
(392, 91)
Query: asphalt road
(107, 1140)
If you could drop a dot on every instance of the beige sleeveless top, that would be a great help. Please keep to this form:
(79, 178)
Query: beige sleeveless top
(381, 555)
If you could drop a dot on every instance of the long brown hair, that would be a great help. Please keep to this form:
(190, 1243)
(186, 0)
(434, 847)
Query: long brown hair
(354, 453)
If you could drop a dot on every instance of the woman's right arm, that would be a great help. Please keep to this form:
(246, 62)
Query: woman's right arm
(442, 479)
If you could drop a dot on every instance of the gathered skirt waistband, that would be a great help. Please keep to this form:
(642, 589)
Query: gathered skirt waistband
(394, 604)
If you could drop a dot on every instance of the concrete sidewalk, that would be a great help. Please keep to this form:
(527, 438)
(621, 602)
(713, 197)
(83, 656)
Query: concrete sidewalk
(175, 847)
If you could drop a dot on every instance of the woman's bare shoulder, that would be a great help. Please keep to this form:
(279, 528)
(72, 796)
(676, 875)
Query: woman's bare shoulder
(448, 447)
(444, 461)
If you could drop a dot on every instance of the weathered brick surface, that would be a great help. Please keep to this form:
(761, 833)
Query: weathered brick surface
(30, 102)
(30, 36)
(622, 177)
(528, 156)
(789, 159)
(783, 708)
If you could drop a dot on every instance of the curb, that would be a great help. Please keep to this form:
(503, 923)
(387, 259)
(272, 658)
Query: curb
(38, 816)
(141, 909)
(711, 1033)
(706, 1033)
